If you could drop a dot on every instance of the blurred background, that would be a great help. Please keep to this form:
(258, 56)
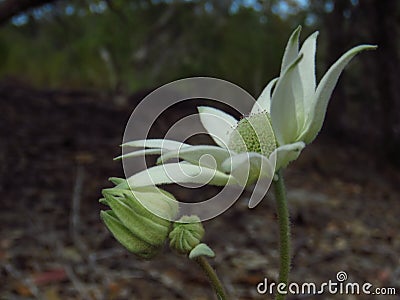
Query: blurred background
(71, 73)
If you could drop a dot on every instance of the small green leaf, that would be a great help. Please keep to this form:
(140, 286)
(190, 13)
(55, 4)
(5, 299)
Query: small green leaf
(103, 201)
(201, 250)
(116, 180)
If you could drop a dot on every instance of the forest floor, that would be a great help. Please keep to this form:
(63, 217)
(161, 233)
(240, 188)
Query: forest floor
(56, 155)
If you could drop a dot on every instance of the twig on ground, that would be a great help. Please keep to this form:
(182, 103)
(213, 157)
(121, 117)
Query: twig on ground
(75, 210)
(22, 278)
(105, 254)
(77, 283)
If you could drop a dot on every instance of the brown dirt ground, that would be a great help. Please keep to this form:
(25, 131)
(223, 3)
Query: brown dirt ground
(57, 145)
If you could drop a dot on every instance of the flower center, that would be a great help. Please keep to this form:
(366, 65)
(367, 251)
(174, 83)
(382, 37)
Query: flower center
(253, 134)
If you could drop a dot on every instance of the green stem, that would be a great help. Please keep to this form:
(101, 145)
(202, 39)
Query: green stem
(212, 276)
(284, 232)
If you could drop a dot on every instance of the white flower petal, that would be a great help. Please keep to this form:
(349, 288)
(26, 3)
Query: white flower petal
(307, 72)
(263, 183)
(179, 173)
(248, 167)
(235, 161)
(263, 102)
(218, 124)
(324, 91)
(205, 155)
(156, 143)
(139, 153)
(291, 50)
(298, 95)
(287, 153)
(283, 105)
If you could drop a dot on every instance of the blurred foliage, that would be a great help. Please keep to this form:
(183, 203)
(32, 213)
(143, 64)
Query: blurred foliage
(134, 44)
(128, 45)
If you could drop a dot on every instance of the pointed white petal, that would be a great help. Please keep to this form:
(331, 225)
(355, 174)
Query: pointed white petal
(139, 153)
(283, 105)
(179, 173)
(156, 143)
(235, 161)
(218, 124)
(324, 91)
(287, 153)
(263, 102)
(307, 72)
(263, 183)
(247, 167)
(205, 155)
(291, 50)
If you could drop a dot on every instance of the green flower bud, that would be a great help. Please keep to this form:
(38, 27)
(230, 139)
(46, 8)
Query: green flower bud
(253, 134)
(125, 237)
(140, 226)
(187, 234)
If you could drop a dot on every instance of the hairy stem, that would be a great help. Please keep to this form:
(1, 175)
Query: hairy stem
(284, 232)
(212, 277)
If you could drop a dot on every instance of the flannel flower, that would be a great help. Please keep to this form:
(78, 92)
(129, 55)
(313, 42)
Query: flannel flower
(288, 114)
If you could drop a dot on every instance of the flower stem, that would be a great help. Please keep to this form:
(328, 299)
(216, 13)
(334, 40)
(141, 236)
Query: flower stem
(284, 232)
(212, 276)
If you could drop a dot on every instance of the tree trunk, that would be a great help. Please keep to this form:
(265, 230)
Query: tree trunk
(338, 29)
(387, 75)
